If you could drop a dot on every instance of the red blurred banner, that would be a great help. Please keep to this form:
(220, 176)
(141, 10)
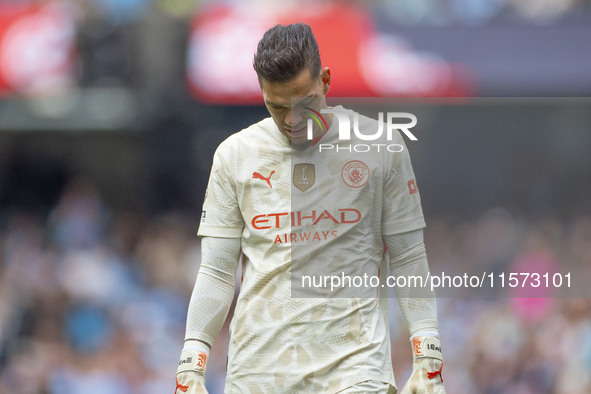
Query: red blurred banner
(363, 62)
(36, 48)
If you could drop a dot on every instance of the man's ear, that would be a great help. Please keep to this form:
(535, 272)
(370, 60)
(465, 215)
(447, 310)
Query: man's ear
(326, 79)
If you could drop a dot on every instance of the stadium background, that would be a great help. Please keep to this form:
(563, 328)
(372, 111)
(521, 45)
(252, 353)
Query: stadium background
(109, 115)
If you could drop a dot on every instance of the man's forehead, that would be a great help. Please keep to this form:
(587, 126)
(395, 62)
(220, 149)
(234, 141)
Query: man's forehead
(300, 86)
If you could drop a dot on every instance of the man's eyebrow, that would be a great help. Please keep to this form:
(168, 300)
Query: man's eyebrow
(272, 104)
(303, 100)
(308, 98)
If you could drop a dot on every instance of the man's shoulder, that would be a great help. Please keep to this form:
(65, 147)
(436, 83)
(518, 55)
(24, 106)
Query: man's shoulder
(250, 136)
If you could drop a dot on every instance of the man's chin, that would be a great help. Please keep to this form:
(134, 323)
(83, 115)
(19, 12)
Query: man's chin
(298, 137)
(300, 143)
(301, 133)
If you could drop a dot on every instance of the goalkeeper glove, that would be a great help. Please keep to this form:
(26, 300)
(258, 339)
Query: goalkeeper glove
(427, 365)
(190, 375)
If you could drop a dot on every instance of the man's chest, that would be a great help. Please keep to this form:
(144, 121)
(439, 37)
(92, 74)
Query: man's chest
(293, 192)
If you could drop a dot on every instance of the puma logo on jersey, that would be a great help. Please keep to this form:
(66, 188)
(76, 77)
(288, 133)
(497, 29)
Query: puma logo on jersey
(256, 175)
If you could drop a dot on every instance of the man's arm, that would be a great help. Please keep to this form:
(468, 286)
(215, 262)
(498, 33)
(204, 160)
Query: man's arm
(210, 302)
(418, 304)
(408, 258)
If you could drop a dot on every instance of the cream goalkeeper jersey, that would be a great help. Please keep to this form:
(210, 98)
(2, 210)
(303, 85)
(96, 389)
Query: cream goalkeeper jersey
(307, 217)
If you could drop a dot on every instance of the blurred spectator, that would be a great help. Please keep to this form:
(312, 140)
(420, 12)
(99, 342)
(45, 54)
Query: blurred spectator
(121, 11)
(79, 220)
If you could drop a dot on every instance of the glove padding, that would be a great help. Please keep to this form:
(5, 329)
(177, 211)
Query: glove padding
(190, 382)
(190, 375)
(426, 375)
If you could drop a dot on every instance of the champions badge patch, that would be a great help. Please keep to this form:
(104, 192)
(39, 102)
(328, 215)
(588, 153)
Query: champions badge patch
(304, 176)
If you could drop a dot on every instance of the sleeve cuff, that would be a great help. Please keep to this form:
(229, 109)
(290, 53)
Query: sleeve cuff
(208, 230)
(403, 226)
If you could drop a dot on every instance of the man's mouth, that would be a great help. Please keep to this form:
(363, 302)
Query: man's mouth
(298, 132)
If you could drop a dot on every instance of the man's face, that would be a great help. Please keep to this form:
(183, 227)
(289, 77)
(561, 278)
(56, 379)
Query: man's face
(286, 102)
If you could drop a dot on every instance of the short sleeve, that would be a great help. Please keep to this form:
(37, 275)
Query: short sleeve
(221, 216)
(402, 211)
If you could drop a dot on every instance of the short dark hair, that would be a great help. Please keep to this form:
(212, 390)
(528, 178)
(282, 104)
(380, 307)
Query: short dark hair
(284, 51)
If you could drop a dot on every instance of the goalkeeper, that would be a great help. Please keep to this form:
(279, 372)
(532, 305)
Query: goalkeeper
(261, 209)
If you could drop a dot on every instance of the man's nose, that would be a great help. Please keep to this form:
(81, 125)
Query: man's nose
(293, 118)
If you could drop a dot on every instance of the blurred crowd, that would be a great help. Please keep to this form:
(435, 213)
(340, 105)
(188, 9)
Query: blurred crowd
(479, 12)
(438, 12)
(94, 301)
(142, 44)
(520, 340)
